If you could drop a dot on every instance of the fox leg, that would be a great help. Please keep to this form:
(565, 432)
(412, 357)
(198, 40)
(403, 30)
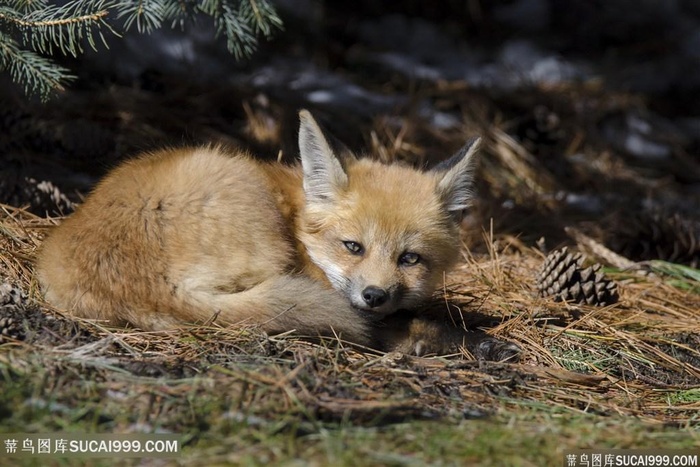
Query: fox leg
(422, 336)
(281, 304)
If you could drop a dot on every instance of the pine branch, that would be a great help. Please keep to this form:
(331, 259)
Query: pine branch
(26, 6)
(178, 11)
(38, 75)
(239, 37)
(262, 15)
(233, 19)
(146, 14)
(32, 28)
(66, 27)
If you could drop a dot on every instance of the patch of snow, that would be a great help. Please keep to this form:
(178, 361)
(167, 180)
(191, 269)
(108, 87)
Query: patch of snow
(533, 65)
(584, 202)
(318, 86)
(643, 148)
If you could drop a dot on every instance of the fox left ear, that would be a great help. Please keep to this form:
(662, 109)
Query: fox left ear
(324, 175)
(455, 177)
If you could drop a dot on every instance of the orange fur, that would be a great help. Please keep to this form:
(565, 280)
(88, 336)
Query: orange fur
(179, 235)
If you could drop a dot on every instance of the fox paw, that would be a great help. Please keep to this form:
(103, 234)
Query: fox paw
(495, 350)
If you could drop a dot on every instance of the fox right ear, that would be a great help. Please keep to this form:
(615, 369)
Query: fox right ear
(456, 177)
(324, 176)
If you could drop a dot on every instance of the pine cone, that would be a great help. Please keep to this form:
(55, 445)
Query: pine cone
(10, 329)
(563, 278)
(11, 323)
(42, 197)
(46, 197)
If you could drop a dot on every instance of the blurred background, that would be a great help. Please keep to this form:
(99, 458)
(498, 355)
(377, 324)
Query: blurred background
(590, 109)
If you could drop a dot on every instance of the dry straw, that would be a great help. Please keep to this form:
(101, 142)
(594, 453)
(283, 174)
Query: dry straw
(632, 358)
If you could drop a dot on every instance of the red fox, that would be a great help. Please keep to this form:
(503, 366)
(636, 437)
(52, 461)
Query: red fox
(326, 248)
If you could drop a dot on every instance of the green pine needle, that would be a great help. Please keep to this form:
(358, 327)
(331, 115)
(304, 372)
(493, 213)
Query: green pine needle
(33, 31)
(38, 75)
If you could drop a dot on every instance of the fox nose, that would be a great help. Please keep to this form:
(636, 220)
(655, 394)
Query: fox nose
(374, 296)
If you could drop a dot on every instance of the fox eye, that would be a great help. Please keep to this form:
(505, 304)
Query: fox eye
(409, 259)
(354, 247)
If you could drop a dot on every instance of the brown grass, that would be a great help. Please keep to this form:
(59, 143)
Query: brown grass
(626, 359)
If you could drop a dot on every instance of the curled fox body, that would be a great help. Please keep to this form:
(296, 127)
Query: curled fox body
(330, 247)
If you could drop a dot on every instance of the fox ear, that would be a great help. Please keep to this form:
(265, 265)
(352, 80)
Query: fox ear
(324, 175)
(455, 176)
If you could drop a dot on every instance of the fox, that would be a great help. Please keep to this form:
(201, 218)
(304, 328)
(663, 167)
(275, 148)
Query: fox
(330, 247)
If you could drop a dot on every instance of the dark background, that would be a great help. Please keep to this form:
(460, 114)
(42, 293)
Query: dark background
(589, 108)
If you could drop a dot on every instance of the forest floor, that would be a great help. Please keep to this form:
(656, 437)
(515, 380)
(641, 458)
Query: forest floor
(566, 164)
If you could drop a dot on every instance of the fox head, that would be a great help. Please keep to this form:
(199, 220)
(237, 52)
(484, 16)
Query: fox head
(383, 234)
